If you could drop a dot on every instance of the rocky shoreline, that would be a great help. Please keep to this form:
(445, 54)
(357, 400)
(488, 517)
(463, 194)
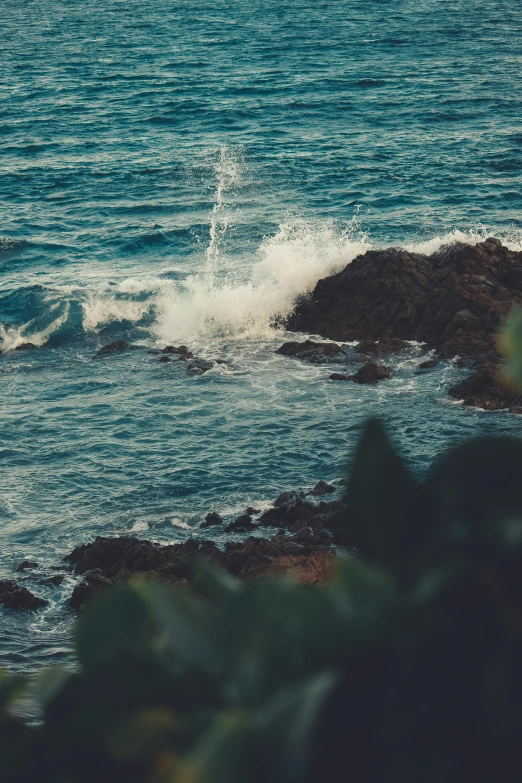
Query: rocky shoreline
(454, 302)
(309, 529)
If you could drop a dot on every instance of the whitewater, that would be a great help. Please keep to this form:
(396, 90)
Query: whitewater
(182, 173)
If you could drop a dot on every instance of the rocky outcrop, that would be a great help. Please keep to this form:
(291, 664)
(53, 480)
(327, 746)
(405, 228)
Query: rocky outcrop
(108, 561)
(292, 512)
(307, 532)
(14, 596)
(453, 301)
(485, 388)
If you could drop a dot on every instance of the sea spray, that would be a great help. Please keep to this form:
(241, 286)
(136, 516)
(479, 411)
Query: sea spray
(228, 170)
(286, 265)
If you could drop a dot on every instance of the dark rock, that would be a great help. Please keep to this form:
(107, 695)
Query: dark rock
(243, 524)
(111, 554)
(429, 364)
(165, 359)
(308, 554)
(13, 596)
(118, 345)
(322, 488)
(212, 519)
(25, 347)
(252, 511)
(371, 373)
(453, 301)
(382, 347)
(338, 376)
(316, 353)
(485, 388)
(292, 512)
(199, 366)
(181, 350)
(26, 565)
(54, 581)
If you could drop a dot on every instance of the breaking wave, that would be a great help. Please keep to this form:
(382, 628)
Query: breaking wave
(237, 298)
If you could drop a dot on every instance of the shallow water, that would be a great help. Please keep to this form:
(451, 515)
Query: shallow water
(179, 173)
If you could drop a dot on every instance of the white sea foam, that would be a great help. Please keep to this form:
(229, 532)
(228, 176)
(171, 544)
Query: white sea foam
(12, 337)
(512, 239)
(288, 264)
(101, 308)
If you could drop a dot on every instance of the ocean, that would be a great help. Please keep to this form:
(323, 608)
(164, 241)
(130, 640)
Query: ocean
(179, 172)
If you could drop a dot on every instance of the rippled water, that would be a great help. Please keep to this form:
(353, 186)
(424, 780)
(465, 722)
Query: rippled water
(179, 172)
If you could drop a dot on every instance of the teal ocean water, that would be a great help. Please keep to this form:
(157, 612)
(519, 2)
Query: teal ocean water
(178, 172)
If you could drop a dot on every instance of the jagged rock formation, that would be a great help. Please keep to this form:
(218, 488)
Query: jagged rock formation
(454, 301)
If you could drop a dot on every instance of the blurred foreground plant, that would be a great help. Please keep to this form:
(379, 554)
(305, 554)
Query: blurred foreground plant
(405, 667)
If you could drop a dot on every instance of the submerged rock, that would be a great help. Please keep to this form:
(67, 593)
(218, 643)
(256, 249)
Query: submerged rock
(25, 347)
(309, 351)
(199, 366)
(118, 345)
(181, 350)
(429, 364)
(14, 596)
(26, 565)
(54, 581)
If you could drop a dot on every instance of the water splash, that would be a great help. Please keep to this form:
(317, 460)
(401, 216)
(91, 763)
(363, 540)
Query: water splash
(11, 337)
(287, 264)
(228, 170)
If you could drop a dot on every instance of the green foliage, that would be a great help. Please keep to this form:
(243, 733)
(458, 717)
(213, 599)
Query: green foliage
(405, 667)
(511, 344)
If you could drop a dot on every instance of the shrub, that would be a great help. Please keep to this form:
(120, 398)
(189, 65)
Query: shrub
(405, 667)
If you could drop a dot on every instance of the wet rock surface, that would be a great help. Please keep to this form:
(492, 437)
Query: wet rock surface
(371, 373)
(14, 596)
(115, 347)
(316, 353)
(25, 347)
(304, 545)
(453, 301)
(26, 565)
(368, 373)
(199, 366)
(485, 388)
(182, 351)
(212, 519)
